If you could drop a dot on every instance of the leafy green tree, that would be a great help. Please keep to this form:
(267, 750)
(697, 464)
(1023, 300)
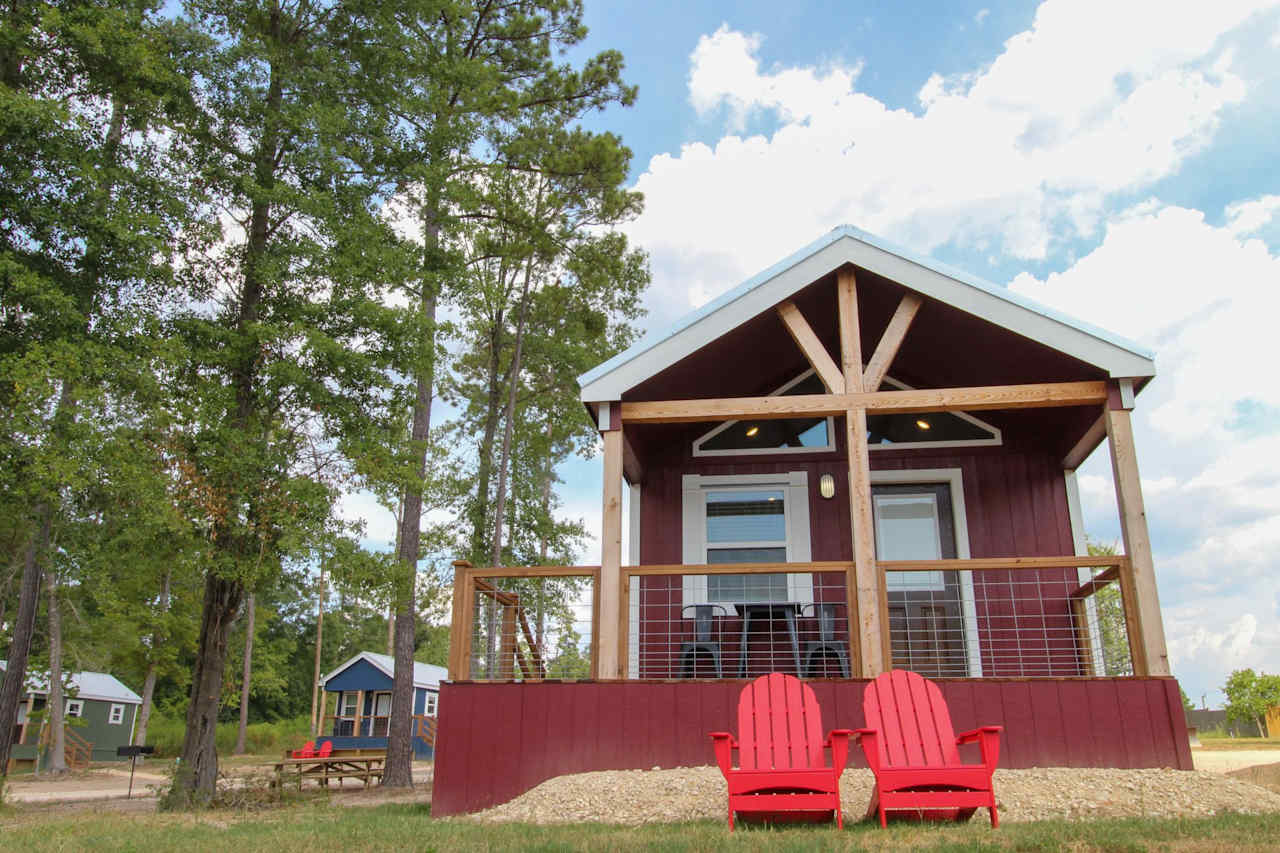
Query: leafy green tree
(459, 71)
(1250, 695)
(286, 355)
(92, 201)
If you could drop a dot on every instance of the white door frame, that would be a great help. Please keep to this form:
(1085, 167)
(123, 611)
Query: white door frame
(954, 478)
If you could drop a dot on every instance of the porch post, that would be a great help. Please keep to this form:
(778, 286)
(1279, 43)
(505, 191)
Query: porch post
(868, 643)
(460, 626)
(1140, 567)
(610, 591)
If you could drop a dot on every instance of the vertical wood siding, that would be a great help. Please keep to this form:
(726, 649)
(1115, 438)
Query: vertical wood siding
(497, 741)
(1015, 502)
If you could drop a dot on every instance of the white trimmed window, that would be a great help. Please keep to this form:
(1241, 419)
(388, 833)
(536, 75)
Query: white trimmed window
(116, 717)
(746, 518)
(433, 701)
(75, 707)
(769, 437)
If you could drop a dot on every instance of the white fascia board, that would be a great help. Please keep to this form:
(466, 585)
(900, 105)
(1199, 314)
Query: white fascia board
(342, 666)
(717, 318)
(983, 299)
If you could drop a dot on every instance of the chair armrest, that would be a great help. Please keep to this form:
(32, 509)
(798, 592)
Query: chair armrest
(724, 745)
(838, 740)
(988, 738)
(869, 739)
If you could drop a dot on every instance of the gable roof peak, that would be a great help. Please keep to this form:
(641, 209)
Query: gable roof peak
(847, 244)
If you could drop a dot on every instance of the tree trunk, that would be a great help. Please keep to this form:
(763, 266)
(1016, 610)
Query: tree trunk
(57, 703)
(198, 773)
(500, 501)
(317, 719)
(484, 468)
(15, 673)
(195, 784)
(245, 679)
(149, 683)
(399, 767)
(144, 711)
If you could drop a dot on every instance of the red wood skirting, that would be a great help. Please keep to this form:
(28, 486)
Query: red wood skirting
(496, 741)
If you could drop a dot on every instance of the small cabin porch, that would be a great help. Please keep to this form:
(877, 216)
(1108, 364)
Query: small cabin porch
(361, 708)
(909, 502)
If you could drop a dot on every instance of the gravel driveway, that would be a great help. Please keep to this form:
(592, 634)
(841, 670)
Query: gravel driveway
(694, 793)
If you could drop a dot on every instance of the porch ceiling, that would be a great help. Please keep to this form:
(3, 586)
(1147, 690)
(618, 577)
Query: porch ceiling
(944, 347)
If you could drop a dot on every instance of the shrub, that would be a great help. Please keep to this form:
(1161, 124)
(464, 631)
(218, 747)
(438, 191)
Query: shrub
(166, 733)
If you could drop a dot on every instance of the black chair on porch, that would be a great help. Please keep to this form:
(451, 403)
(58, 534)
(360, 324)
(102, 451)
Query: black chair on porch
(817, 653)
(705, 643)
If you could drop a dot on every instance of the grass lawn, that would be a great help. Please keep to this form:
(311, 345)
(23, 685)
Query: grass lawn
(315, 825)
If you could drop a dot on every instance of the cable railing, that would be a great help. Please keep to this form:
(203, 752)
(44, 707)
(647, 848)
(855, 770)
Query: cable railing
(524, 623)
(1025, 617)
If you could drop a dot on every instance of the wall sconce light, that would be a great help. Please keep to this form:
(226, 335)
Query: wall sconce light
(827, 486)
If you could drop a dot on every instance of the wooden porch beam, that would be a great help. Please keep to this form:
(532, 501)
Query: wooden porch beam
(890, 342)
(864, 587)
(631, 467)
(1138, 578)
(1091, 439)
(610, 584)
(460, 626)
(850, 331)
(1042, 395)
(802, 333)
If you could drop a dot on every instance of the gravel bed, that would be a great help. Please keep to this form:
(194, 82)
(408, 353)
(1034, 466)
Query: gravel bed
(695, 793)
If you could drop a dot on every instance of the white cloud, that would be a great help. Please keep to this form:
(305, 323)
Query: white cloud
(1250, 217)
(1013, 156)
(981, 16)
(1204, 297)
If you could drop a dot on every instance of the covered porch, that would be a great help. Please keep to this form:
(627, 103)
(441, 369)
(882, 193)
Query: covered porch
(848, 544)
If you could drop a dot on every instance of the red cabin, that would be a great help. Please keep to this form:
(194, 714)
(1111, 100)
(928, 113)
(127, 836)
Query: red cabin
(857, 460)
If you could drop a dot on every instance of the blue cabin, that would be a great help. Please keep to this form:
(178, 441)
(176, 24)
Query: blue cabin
(362, 712)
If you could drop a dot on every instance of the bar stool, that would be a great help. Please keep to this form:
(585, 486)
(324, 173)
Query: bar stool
(825, 611)
(703, 641)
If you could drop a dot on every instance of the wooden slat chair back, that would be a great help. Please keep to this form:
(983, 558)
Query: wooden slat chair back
(781, 773)
(779, 725)
(914, 753)
(914, 718)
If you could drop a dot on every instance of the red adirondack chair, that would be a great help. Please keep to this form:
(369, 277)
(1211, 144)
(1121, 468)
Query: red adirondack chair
(326, 749)
(913, 751)
(308, 750)
(781, 774)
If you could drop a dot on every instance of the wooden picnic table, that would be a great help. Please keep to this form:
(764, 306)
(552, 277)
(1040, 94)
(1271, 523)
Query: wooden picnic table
(366, 767)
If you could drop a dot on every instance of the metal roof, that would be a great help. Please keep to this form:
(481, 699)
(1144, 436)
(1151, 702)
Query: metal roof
(847, 244)
(424, 674)
(85, 685)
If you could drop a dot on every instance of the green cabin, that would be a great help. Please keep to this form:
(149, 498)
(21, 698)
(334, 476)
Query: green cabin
(100, 713)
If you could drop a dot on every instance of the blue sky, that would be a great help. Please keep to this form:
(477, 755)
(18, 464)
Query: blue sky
(1115, 160)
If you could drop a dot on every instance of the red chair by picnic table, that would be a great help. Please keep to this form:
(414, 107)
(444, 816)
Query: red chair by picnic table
(326, 749)
(913, 752)
(781, 774)
(308, 750)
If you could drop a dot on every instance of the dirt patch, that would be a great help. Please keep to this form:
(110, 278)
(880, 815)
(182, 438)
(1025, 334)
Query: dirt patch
(696, 793)
(1266, 775)
(1225, 761)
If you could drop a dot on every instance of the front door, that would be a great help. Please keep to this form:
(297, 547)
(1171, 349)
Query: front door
(926, 628)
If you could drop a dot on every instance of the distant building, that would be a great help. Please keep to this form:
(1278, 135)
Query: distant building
(100, 713)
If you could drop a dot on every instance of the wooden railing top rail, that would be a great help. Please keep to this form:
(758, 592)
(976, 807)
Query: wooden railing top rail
(980, 564)
(1097, 582)
(526, 571)
(976, 564)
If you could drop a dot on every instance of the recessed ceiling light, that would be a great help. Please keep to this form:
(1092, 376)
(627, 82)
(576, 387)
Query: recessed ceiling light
(751, 431)
(923, 424)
